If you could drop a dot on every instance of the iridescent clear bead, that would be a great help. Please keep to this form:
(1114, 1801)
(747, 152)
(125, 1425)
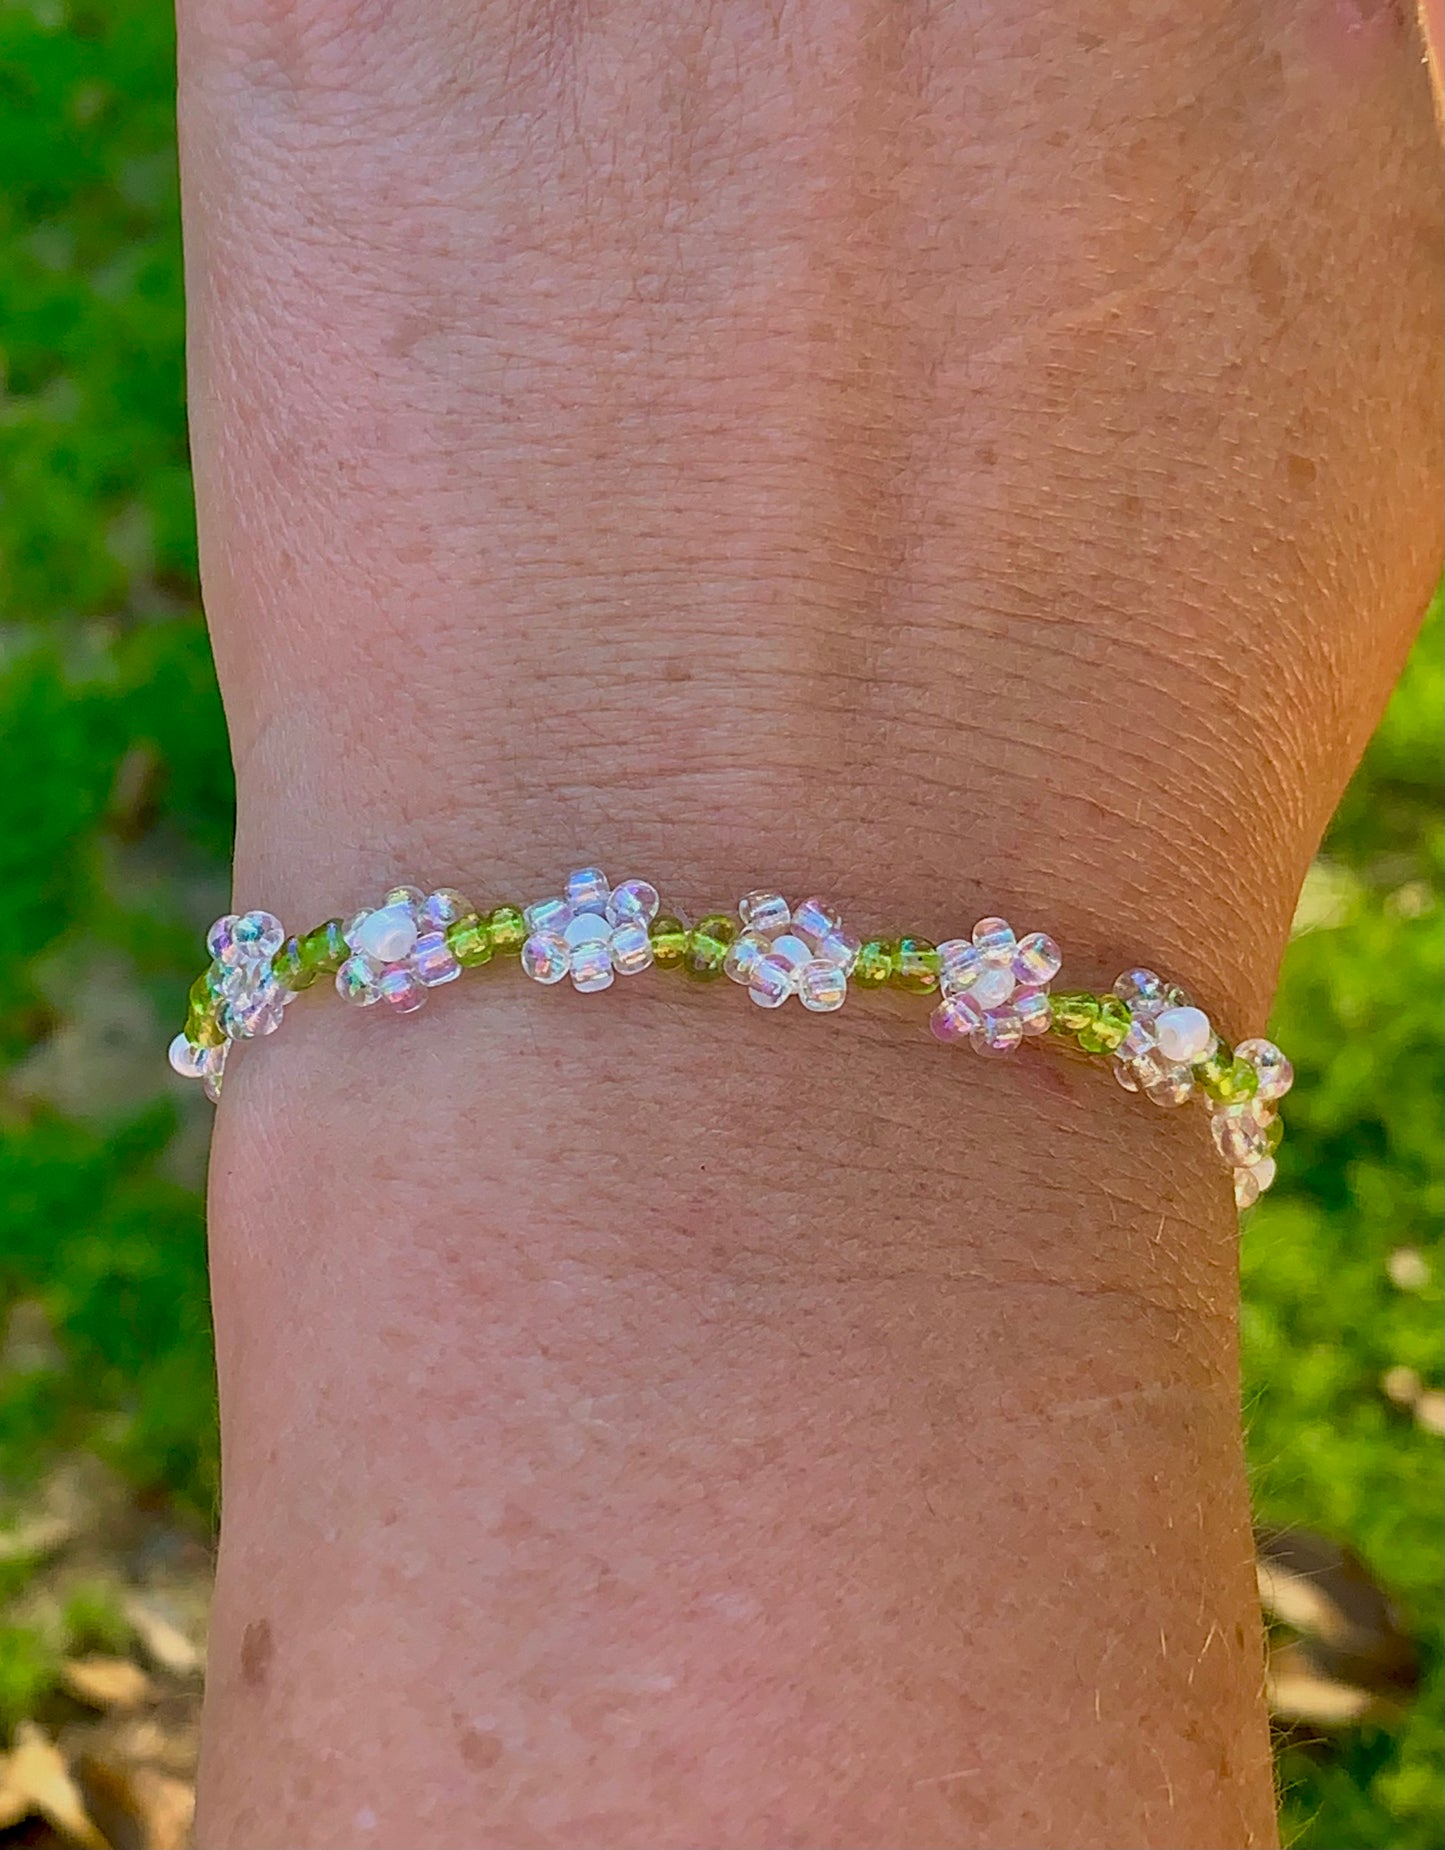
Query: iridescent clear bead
(587, 891)
(960, 962)
(220, 939)
(586, 928)
(434, 961)
(401, 991)
(822, 986)
(772, 982)
(442, 908)
(1241, 1134)
(547, 915)
(187, 1059)
(1265, 1171)
(358, 982)
(841, 949)
(1138, 1041)
(792, 950)
(256, 936)
(768, 913)
(814, 919)
(388, 934)
(546, 957)
(634, 902)
(354, 925)
(211, 1083)
(1144, 991)
(1276, 1075)
(592, 966)
(743, 955)
(630, 948)
(993, 986)
(957, 1018)
(1183, 1034)
(1037, 960)
(412, 897)
(1032, 1008)
(1123, 1077)
(994, 941)
(1174, 1086)
(1001, 1032)
(1246, 1187)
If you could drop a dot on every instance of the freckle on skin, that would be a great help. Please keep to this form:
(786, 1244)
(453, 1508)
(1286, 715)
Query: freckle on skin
(479, 1751)
(257, 1649)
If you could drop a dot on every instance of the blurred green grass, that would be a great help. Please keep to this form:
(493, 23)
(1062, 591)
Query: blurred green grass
(115, 811)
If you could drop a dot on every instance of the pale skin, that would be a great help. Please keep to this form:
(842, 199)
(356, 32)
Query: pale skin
(958, 458)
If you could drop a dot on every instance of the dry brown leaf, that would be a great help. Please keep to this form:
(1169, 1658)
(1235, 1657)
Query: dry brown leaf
(166, 1644)
(108, 1682)
(141, 1807)
(35, 1771)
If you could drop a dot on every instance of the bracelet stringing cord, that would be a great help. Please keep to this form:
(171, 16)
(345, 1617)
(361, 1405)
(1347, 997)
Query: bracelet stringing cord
(992, 989)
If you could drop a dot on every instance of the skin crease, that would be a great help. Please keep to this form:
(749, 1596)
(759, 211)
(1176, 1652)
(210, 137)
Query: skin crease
(949, 458)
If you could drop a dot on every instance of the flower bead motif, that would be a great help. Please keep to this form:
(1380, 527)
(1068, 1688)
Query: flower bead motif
(785, 951)
(249, 1001)
(1166, 1039)
(592, 932)
(994, 987)
(399, 949)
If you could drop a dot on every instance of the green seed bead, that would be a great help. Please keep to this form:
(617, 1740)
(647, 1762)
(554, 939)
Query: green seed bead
(916, 964)
(1074, 1010)
(669, 941)
(1225, 1079)
(470, 940)
(202, 995)
(507, 930)
(290, 969)
(325, 950)
(1111, 1027)
(875, 963)
(708, 946)
(203, 1031)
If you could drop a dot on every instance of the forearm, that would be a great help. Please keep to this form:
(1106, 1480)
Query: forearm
(647, 1420)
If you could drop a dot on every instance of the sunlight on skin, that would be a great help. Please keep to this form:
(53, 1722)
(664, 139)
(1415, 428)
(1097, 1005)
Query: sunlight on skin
(942, 462)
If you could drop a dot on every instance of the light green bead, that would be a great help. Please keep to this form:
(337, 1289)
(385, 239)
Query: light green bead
(1074, 1010)
(669, 937)
(325, 950)
(470, 940)
(708, 946)
(916, 964)
(290, 969)
(1108, 1028)
(507, 930)
(875, 963)
(1225, 1079)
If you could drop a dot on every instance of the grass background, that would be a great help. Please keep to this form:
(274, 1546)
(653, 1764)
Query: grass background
(115, 811)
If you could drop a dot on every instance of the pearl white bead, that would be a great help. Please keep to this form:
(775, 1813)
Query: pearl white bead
(386, 935)
(792, 951)
(993, 986)
(1183, 1034)
(186, 1058)
(586, 928)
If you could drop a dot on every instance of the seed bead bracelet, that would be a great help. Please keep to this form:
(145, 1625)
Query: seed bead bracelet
(992, 989)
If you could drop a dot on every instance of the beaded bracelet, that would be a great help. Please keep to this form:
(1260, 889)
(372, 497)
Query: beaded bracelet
(993, 990)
